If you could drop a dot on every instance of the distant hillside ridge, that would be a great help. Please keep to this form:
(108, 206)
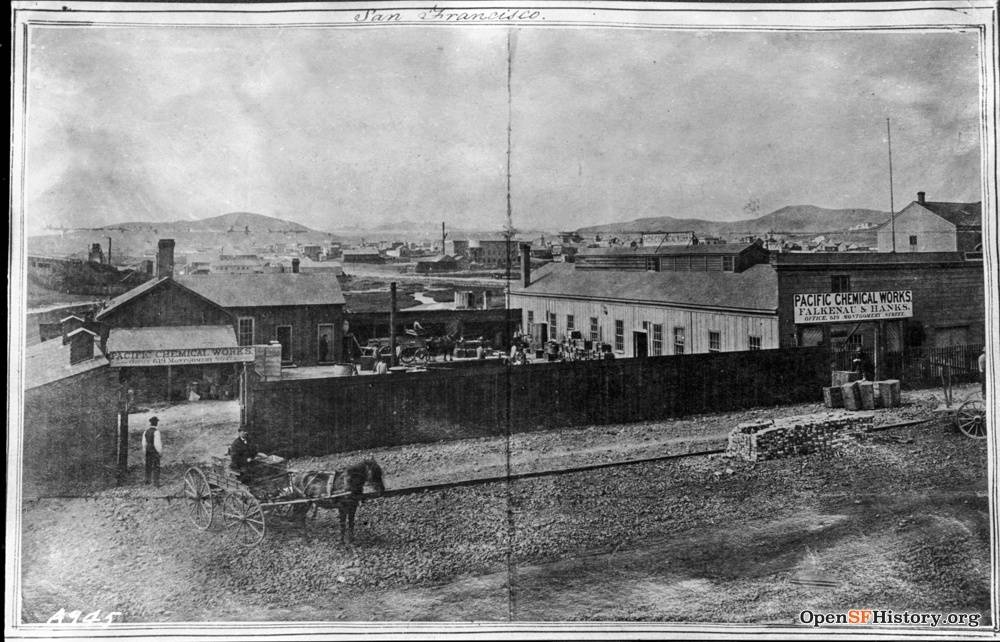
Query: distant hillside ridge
(237, 221)
(796, 219)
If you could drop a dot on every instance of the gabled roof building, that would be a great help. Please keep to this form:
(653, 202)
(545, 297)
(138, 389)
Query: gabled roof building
(931, 226)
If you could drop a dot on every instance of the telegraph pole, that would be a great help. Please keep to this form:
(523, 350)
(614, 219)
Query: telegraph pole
(892, 204)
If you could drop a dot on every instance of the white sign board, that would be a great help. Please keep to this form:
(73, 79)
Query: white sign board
(180, 356)
(836, 307)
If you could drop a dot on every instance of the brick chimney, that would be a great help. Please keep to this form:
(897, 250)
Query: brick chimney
(920, 197)
(525, 264)
(295, 266)
(165, 258)
(81, 345)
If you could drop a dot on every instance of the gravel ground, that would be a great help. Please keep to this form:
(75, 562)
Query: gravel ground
(898, 518)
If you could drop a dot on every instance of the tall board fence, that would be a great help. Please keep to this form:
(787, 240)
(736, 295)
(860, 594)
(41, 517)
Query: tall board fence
(919, 367)
(321, 416)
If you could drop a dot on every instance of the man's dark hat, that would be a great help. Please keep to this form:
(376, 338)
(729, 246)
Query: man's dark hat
(154, 420)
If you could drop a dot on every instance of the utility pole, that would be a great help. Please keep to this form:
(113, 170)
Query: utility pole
(443, 237)
(109, 250)
(892, 203)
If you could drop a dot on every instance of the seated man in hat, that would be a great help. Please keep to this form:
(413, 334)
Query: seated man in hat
(243, 453)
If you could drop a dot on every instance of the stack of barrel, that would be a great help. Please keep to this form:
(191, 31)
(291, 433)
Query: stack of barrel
(848, 390)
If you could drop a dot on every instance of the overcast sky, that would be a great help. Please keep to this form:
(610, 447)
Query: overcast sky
(332, 127)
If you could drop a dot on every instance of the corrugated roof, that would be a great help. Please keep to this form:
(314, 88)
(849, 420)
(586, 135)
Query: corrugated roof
(135, 292)
(264, 290)
(171, 337)
(48, 361)
(756, 288)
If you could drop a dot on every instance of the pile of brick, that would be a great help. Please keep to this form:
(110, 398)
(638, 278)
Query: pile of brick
(854, 394)
(791, 436)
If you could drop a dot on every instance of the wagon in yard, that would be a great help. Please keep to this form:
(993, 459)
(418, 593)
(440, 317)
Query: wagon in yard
(967, 415)
(412, 349)
(245, 507)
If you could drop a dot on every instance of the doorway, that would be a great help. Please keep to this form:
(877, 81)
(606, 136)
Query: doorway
(283, 334)
(324, 343)
(640, 344)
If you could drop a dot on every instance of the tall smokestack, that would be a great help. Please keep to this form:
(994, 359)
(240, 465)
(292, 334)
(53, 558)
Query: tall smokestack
(295, 266)
(165, 258)
(525, 265)
(920, 197)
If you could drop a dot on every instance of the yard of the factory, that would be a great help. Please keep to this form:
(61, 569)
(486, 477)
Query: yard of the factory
(898, 520)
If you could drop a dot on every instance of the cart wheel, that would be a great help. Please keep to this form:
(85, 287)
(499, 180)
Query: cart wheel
(198, 495)
(971, 419)
(421, 355)
(244, 518)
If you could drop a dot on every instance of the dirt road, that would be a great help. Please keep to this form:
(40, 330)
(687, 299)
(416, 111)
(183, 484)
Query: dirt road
(897, 521)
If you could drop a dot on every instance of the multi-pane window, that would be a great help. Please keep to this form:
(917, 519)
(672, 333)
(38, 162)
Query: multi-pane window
(553, 326)
(619, 335)
(652, 263)
(754, 342)
(913, 240)
(657, 339)
(840, 283)
(678, 340)
(570, 323)
(714, 341)
(728, 264)
(531, 320)
(245, 327)
(595, 331)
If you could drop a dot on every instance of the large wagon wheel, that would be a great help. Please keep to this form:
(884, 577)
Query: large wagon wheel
(244, 518)
(971, 419)
(421, 355)
(198, 495)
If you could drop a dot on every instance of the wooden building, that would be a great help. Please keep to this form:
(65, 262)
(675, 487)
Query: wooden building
(645, 303)
(70, 421)
(740, 297)
(930, 226)
(436, 264)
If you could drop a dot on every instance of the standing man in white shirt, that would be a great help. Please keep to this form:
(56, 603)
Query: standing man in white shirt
(152, 446)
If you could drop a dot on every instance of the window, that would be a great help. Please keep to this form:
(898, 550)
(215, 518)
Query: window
(595, 330)
(653, 263)
(913, 239)
(840, 283)
(728, 264)
(245, 331)
(657, 339)
(678, 340)
(619, 335)
(531, 320)
(570, 323)
(754, 342)
(553, 325)
(714, 341)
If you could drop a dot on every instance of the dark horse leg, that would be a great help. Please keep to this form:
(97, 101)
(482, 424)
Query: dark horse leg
(300, 512)
(342, 511)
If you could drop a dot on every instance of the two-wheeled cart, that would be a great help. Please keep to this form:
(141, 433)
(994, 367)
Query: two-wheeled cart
(245, 507)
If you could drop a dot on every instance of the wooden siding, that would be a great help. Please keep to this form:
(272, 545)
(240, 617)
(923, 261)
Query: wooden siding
(944, 295)
(167, 304)
(734, 328)
(305, 321)
(934, 234)
(70, 434)
(338, 414)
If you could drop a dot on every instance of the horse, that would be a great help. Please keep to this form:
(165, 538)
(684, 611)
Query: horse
(443, 345)
(347, 484)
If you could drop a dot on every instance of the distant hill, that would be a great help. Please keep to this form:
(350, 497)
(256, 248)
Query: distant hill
(792, 219)
(233, 221)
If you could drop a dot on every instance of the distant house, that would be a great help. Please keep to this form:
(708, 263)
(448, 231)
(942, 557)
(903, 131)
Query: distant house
(927, 226)
(434, 264)
(362, 255)
(238, 264)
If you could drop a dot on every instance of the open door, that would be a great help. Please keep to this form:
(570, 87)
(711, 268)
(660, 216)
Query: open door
(640, 344)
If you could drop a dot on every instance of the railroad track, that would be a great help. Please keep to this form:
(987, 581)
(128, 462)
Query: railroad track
(413, 490)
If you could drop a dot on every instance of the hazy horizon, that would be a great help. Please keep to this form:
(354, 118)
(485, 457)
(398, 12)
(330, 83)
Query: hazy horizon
(331, 128)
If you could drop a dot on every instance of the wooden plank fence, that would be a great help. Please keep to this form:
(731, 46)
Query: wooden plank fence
(321, 416)
(920, 367)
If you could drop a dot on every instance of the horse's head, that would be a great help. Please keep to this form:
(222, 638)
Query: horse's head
(374, 476)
